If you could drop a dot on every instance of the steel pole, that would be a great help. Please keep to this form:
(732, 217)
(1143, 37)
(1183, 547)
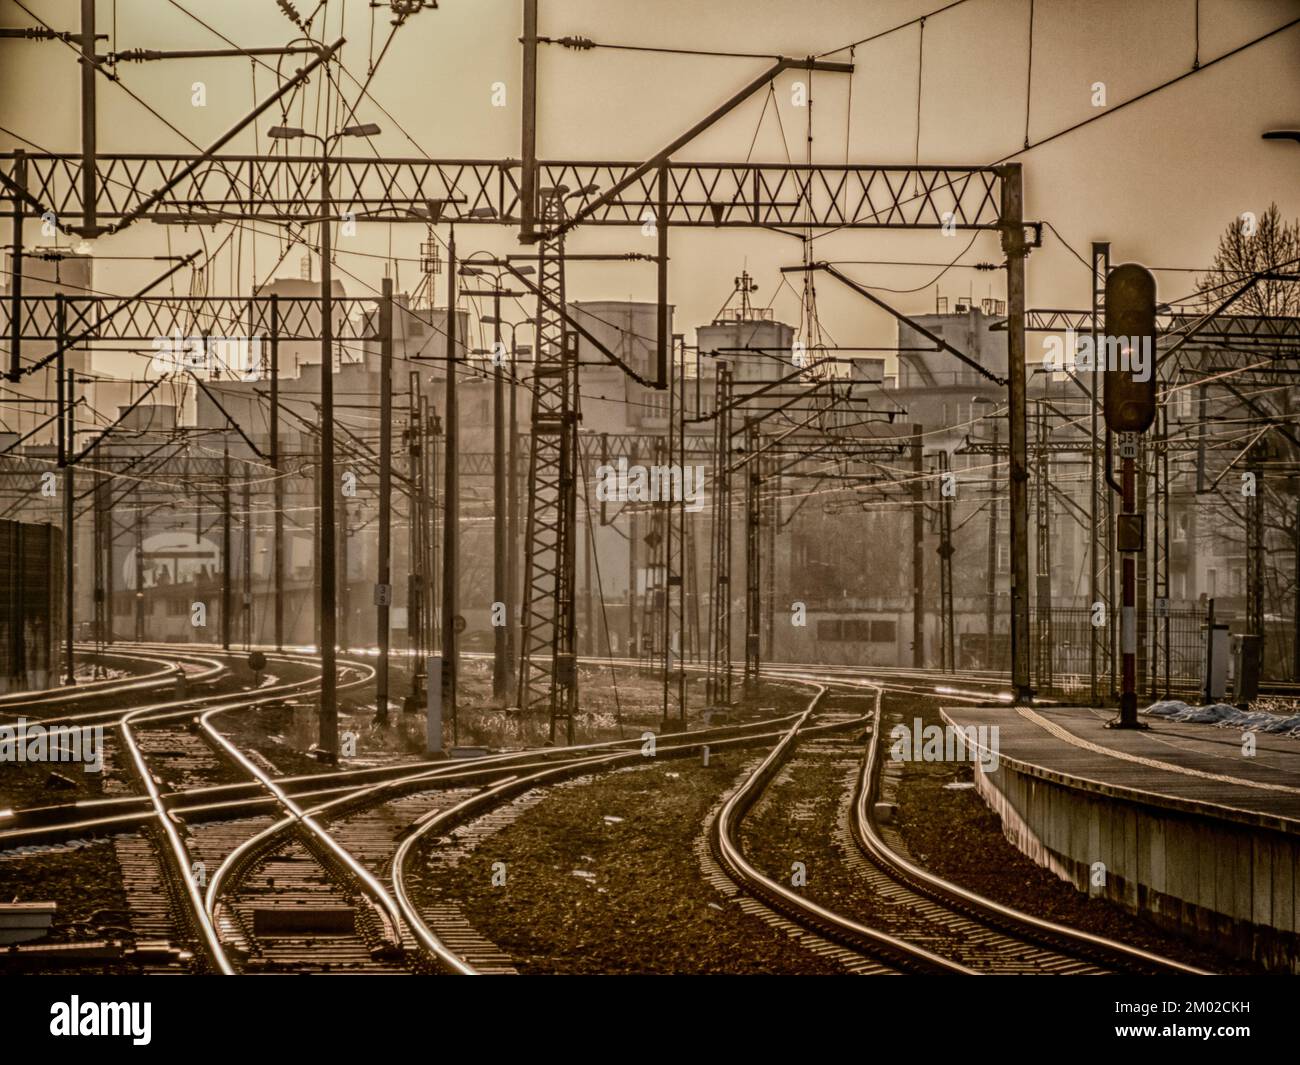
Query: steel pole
(500, 557)
(512, 504)
(1013, 244)
(326, 550)
(1128, 603)
(16, 277)
(528, 129)
(225, 549)
(450, 503)
(89, 177)
(384, 596)
(278, 473)
(69, 527)
(918, 553)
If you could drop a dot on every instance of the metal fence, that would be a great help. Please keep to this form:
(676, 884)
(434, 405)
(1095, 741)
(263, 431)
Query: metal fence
(1175, 652)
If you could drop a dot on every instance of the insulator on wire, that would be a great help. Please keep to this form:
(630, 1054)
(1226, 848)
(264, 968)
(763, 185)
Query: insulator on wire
(290, 12)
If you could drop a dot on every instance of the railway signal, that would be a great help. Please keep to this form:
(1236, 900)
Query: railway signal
(1128, 350)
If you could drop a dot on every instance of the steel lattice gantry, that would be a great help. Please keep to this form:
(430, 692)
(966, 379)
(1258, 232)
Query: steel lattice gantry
(1242, 330)
(211, 187)
(286, 188)
(146, 318)
(548, 677)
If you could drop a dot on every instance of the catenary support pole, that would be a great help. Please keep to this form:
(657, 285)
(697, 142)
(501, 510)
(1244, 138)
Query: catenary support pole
(278, 474)
(918, 553)
(1014, 245)
(450, 505)
(384, 577)
(328, 742)
(500, 516)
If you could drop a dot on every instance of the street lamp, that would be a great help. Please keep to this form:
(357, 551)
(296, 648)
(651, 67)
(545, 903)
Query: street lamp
(327, 594)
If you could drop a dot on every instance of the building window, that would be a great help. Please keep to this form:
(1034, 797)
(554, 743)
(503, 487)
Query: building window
(828, 631)
(857, 630)
(654, 405)
(884, 632)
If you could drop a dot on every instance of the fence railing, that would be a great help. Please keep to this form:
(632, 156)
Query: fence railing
(1173, 658)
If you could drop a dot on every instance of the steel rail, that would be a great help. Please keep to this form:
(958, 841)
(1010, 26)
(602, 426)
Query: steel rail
(176, 851)
(178, 708)
(790, 903)
(98, 688)
(448, 772)
(508, 788)
(1005, 918)
(45, 823)
(1038, 929)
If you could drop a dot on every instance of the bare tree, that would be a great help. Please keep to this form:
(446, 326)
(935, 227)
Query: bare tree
(1250, 245)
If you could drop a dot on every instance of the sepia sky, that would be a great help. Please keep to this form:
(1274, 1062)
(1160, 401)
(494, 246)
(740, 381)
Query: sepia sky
(1160, 178)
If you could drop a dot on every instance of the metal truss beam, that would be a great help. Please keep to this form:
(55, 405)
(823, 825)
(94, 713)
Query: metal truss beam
(1082, 447)
(150, 317)
(1227, 328)
(477, 191)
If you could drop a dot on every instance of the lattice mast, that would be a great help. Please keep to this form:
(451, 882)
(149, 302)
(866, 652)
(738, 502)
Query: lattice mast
(548, 677)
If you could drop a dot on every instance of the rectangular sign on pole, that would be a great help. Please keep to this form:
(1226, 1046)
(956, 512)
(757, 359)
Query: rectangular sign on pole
(433, 686)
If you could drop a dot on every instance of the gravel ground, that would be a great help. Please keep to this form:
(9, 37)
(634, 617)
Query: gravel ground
(283, 734)
(798, 819)
(41, 784)
(952, 833)
(603, 878)
(86, 879)
(87, 886)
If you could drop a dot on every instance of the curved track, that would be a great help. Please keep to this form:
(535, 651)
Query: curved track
(163, 675)
(983, 936)
(346, 839)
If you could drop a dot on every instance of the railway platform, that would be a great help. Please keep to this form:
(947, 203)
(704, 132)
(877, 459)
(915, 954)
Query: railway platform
(1197, 827)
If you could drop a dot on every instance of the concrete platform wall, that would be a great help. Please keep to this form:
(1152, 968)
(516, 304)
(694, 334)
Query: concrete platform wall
(1217, 880)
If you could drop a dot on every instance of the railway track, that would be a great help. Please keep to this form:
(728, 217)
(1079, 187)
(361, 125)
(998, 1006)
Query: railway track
(199, 757)
(255, 893)
(367, 834)
(436, 944)
(166, 668)
(920, 923)
(312, 873)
